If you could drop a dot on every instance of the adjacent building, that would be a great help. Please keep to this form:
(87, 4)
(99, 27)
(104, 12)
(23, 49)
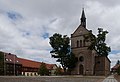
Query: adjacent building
(13, 65)
(89, 63)
(116, 67)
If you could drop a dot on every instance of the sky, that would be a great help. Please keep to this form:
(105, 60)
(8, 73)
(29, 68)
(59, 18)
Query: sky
(26, 25)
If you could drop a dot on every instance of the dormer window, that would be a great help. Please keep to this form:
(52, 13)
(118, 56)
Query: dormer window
(10, 60)
(6, 59)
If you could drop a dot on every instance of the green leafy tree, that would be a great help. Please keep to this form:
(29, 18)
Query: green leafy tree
(58, 71)
(43, 69)
(71, 62)
(61, 49)
(118, 62)
(98, 42)
(1, 63)
(118, 67)
(118, 71)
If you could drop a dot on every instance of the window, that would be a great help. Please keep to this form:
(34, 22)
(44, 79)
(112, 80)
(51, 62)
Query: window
(81, 58)
(11, 71)
(80, 43)
(6, 59)
(7, 66)
(31, 74)
(7, 71)
(98, 62)
(84, 43)
(77, 43)
(27, 74)
(10, 60)
(23, 73)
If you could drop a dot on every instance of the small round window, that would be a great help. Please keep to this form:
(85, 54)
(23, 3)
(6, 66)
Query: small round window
(81, 58)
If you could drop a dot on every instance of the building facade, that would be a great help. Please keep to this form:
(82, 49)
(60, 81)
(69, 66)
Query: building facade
(116, 68)
(10, 64)
(87, 59)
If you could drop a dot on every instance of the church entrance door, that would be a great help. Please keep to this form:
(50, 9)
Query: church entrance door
(81, 69)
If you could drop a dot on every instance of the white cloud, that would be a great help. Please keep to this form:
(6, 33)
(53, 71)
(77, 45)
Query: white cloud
(114, 58)
(36, 18)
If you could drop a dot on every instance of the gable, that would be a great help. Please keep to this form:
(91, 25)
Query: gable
(80, 31)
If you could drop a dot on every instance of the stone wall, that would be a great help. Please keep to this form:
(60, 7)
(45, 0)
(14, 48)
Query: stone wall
(102, 65)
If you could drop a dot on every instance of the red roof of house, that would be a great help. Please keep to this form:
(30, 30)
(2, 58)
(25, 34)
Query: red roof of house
(116, 67)
(29, 63)
(50, 66)
(11, 58)
(33, 64)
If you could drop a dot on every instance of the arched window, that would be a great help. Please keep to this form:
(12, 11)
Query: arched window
(77, 43)
(80, 43)
(84, 43)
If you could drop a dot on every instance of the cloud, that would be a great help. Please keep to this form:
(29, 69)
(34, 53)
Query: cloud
(109, 3)
(26, 25)
(114, 58)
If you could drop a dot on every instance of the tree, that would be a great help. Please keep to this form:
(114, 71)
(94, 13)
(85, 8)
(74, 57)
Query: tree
(98, 42)
(58, 71)
(61, 49)
(118, 70)
(118, 62)
(118, 67)
(71, 62)
(43, 69)
(1, 63)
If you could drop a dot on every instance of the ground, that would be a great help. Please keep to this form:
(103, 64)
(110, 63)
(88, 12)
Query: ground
(110, 78)
(117, 77)
(52, 79)
(77, 78)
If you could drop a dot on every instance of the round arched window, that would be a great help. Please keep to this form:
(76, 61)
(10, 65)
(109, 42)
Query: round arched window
(81, 58)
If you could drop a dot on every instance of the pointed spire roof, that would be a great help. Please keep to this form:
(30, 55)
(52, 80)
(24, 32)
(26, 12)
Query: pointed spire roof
(83, 19)
(83, 14)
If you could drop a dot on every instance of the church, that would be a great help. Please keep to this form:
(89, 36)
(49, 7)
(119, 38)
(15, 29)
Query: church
(89, 63)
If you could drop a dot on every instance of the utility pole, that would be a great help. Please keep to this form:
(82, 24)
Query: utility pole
(14, 65)
(4, 65)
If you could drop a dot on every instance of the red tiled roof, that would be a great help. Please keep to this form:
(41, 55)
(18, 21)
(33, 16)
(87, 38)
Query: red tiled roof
(50, 66)
(34, 64)
(10, 58)
(116, 67)
(29, 63)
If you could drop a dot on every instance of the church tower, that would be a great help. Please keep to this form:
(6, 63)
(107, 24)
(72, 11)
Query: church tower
(79, 46)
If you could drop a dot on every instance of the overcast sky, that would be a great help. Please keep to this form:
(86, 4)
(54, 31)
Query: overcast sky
(26, 25)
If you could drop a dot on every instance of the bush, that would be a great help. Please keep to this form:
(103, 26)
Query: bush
(43, 70)
(58, 71)
(118, 71)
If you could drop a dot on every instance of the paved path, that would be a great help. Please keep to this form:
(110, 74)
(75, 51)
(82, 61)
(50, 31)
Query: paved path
(51, 79)
(110, 79)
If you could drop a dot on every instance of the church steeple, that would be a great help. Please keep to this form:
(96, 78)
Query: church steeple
(83, 19)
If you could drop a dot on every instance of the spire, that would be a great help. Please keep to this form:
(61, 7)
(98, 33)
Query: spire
(83, 19)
